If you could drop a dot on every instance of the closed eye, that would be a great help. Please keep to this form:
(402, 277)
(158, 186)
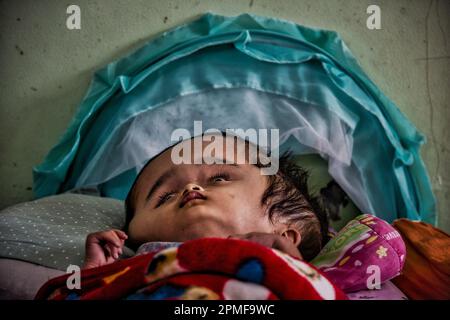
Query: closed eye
(164, 198)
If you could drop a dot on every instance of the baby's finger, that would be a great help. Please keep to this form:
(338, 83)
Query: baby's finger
(107, 248)
(122, 235)
(112, 238)
(115, 252)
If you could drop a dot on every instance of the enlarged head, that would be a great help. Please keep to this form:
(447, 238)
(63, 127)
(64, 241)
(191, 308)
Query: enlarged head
(222, 194)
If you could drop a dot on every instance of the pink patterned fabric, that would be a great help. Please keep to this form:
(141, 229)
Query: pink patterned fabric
(388, 291)
(364, 254)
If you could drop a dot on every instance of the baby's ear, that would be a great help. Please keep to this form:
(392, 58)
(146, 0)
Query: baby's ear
(293, 235)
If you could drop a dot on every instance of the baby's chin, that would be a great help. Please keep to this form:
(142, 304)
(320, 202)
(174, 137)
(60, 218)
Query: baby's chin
(199, 225)
(197, 233)
(196, 210)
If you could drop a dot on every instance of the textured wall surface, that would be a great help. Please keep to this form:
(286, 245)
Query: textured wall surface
(45, 68)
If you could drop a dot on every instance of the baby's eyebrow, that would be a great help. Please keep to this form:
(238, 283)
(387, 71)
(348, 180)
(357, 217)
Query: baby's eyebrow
(163, 178)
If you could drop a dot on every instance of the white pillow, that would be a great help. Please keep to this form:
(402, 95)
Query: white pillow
(51, 231)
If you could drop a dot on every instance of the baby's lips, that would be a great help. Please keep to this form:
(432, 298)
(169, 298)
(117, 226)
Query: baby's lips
(191, 195)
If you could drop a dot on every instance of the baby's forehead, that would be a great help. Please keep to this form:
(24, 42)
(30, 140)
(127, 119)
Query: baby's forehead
(204, 153)
(161, 166)
(210, 149)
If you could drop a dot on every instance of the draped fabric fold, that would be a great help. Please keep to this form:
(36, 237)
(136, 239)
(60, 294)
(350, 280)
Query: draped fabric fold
(244, 72)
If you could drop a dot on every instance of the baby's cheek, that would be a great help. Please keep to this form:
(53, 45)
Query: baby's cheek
(138, 229)
(230, 195)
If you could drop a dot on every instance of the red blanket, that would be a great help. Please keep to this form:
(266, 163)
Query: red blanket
(208, 268)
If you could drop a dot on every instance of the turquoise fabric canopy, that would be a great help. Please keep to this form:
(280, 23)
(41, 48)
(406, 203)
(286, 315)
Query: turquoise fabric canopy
(244, 72)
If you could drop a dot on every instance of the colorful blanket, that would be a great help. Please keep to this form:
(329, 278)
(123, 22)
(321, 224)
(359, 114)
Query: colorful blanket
(208, 268)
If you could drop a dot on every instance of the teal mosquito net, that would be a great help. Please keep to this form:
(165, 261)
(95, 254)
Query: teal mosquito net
(244, 72)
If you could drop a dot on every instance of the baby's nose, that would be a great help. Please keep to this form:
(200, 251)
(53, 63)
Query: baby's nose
(192, 187)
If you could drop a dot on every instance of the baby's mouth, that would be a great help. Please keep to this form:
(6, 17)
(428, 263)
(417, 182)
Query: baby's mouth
(191, 196)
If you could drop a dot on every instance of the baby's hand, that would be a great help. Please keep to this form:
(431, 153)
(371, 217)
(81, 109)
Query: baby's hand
(103, 247)
(271, 240)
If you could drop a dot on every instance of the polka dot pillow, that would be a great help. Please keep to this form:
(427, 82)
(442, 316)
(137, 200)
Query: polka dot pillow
(51, 231)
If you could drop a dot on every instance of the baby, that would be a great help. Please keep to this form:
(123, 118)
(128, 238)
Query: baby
(171, 202)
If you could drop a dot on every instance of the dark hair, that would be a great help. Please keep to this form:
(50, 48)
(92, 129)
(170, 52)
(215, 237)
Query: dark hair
(287, 197)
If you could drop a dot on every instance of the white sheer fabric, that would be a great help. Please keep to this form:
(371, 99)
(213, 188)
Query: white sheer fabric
(304, 128)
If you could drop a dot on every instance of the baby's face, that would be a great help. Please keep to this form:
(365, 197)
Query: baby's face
(188, 201)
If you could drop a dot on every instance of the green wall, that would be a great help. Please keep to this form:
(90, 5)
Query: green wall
(45, 68)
